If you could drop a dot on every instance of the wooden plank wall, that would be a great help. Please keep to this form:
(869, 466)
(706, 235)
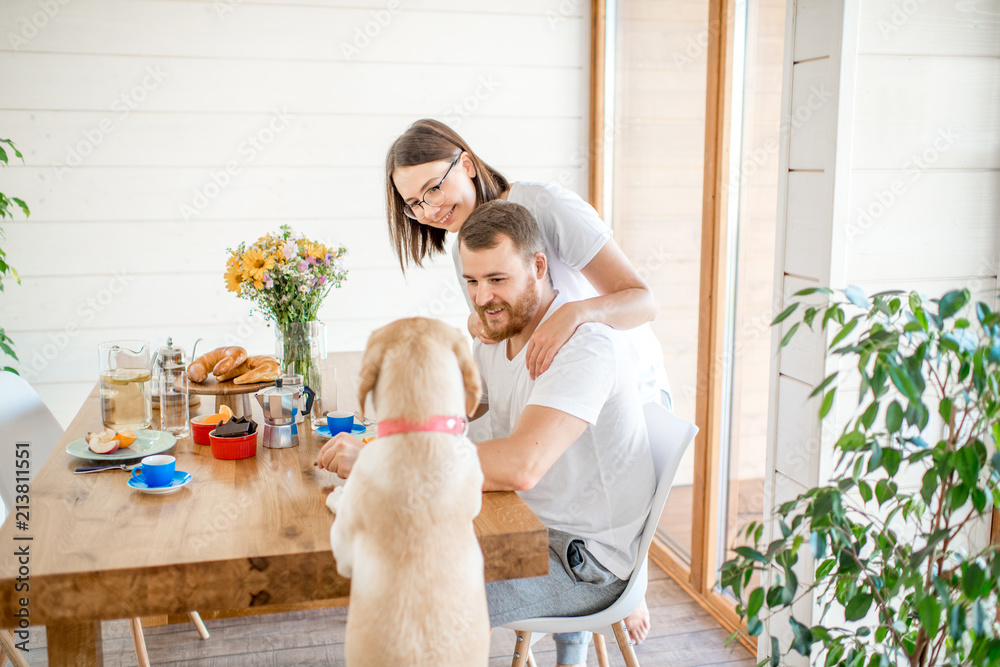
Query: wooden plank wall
(890, 180)
(129, 110)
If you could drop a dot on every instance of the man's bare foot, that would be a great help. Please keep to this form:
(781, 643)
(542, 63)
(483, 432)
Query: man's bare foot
(637, 623)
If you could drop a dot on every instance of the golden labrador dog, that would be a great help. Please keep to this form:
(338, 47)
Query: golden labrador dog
(403, 529)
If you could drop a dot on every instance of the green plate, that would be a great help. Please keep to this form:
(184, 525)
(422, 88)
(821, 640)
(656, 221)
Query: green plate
(146, 443)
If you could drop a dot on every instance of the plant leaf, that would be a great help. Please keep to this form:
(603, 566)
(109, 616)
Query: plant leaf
(784, 314)
(788, 336)
(24, 207)
(803, 637)
(973, 580)
(857, 607)
(822, 385)
(756, 601)
(929, 611)
(845, 331)
(827, 403)
(894, 417)
(856, 295)
(952, 302)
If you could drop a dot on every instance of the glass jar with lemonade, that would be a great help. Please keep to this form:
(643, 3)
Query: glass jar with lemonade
(126, 398)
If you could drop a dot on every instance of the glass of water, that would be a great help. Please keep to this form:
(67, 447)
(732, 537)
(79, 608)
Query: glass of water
(174, 414)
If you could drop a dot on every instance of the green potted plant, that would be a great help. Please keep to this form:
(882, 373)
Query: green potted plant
(6, 206)
(888, 557)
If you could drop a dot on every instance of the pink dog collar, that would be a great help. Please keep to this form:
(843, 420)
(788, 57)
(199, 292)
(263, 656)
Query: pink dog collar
(440, 424)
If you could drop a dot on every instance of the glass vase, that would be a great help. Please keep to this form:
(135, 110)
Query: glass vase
(301, 349)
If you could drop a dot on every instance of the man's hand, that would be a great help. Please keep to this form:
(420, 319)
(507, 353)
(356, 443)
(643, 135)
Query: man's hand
(339, 454)
(478, 330)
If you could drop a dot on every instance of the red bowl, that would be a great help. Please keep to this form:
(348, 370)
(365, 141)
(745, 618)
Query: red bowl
(233, 448)
(200, 431)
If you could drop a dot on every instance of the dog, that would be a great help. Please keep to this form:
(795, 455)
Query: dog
(403, 530)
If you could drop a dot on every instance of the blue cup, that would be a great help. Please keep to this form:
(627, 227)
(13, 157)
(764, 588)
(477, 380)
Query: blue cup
(339, 422)
(156, 470)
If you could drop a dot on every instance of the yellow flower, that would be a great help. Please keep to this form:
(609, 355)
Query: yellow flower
(234, 276)
(312, 249)
(256, 264)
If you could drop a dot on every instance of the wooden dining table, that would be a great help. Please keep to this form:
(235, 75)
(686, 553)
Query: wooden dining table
(242, 535)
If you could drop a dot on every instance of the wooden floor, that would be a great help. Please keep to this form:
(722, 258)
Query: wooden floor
(683, 635)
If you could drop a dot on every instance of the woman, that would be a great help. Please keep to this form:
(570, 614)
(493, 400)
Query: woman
(434, 181)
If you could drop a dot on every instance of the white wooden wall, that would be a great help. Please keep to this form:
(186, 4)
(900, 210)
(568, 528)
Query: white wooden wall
(128, 110)
(890, 180)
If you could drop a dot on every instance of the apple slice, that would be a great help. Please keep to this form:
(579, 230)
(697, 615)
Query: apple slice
(99, 446)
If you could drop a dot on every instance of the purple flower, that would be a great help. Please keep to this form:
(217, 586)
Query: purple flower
(302, 266)
(321, 280)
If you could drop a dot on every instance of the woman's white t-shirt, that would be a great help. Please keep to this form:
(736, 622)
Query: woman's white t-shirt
(574, 234)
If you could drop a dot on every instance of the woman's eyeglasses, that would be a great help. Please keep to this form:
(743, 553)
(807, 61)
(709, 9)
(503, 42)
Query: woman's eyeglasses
(433, 197)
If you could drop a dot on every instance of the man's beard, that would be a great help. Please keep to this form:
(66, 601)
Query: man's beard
(519, 315)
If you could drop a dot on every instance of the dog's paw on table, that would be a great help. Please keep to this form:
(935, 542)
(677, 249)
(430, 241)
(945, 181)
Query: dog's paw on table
(333, 500)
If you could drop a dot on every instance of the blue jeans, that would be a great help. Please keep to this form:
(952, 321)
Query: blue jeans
(576, 585)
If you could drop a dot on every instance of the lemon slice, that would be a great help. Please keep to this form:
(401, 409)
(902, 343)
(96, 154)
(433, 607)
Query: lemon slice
(127, 375)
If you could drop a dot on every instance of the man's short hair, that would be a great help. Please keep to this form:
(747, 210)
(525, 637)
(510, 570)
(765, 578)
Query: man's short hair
(482, 230)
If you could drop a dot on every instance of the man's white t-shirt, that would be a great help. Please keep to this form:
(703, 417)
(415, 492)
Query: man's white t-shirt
(574, 234)
(601, 488)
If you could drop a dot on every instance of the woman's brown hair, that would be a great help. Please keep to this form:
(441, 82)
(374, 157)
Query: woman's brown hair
(426, 141)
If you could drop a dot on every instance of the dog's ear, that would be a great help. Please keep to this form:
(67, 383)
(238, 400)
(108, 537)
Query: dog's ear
(371, 366)
(470, 374)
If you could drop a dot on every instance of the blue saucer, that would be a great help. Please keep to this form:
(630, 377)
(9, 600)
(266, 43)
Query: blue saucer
(138, 482)
(324, 430)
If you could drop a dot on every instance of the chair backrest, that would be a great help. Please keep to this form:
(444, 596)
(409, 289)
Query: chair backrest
(23, 418)
(669, 438)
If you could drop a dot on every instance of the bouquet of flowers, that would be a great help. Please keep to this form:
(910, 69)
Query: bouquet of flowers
(285, 275)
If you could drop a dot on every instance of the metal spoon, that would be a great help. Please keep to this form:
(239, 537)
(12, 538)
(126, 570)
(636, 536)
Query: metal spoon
(121, 466)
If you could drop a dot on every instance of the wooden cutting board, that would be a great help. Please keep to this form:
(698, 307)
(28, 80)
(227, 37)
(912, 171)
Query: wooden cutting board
(212, 387)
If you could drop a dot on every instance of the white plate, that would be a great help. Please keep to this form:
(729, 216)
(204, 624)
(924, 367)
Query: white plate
(180, 479)
(146, 443)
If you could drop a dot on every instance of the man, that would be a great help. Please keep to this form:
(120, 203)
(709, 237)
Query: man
(572, 443)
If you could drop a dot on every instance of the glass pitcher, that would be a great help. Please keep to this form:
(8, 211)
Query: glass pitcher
(126, 389)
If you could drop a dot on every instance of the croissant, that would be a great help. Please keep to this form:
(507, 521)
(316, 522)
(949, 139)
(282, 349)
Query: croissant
(219, 362)
(260, 369)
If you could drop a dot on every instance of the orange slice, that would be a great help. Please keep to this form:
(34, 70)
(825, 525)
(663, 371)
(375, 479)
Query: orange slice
(125, 438)
(226, 413)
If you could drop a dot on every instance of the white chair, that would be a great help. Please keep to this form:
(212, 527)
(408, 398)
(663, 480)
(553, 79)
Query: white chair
(24, 417)
(669, 438)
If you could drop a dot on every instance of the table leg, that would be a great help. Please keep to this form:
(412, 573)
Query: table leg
(75, 644)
